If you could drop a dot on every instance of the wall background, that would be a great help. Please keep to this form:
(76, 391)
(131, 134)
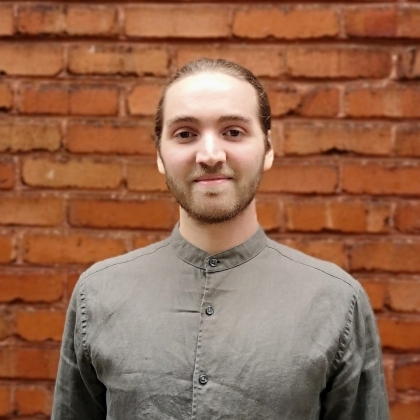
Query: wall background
(79, 84)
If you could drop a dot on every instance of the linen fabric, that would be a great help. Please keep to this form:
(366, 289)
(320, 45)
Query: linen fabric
(260, 331)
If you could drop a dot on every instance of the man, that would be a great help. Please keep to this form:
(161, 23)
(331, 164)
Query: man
(218, 321)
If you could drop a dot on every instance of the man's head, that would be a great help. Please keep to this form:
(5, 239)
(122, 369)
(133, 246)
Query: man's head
(220, 66)
(213, 138)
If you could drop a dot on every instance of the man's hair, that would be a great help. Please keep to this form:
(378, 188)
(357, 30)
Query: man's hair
(219, 66)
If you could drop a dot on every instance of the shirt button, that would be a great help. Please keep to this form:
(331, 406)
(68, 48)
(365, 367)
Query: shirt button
(213, 262)
(203, 379)
(209, 310)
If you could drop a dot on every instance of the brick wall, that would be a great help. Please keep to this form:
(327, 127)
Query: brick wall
(78, 89)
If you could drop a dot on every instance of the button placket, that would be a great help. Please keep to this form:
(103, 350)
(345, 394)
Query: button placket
(200, 378)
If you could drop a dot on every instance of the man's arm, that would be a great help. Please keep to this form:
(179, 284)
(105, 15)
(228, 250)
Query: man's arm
(356, 390)
(79, 395)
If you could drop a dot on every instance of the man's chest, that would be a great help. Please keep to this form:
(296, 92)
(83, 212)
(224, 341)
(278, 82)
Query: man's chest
(215, 342)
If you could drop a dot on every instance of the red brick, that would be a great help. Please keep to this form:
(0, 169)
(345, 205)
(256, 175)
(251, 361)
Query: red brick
(148, 239)
(6, 22)
(91, 20)
(41, 19)
(284, 100)
(177, 21)
(371, 22)
(407, 374)
(376, 288)
(23, 366)
(22, 136)
(6, 97)
(31, 59)
(40, 325)
(57, 99)
(286, 23)
(388, 362)
(94, 100)
(399, 333)
(144, 176)
(324, 249)
(341, 216)
(35, 211)
(43, 172)
(313, 138)
(407, 216)
(320, 102)
(71, 282)
(409, 64)
(76, 20)
(143, 99)
(404, 295)
(6, 361)
(406, 409)
(5, 327)
(32, 400)
(391, 255)
(5, 394)
(394, 101)
(269, 214)
(7, 253)
(300, 178)
(409, 22)
(261, 61)
(338, 63)
(110, 138)
(407, 141)
(31, 286)
(117, 59)
(149, 214)
(7, 175)
(377, 178)
(45, 99)
(73, 248)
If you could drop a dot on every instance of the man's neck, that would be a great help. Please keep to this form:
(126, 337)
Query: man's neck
(218, 237)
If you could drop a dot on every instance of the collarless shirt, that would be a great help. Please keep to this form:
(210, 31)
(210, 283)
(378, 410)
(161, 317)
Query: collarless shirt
(259, 331)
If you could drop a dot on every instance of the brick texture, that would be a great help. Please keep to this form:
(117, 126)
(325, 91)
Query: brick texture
(181, 21)
(79, 86)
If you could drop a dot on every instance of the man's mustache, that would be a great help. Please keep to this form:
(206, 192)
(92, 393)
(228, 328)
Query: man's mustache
(210, 170)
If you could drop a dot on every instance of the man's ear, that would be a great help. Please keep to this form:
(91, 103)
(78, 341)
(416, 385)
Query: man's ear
(160, 165)
(269, 154)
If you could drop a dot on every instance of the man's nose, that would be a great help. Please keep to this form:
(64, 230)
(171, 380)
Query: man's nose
(211, 151)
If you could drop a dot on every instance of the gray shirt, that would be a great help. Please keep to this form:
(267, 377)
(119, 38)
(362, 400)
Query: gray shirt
(260, 331)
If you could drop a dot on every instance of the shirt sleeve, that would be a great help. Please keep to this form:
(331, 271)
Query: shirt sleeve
(79, 395)
(356, 389)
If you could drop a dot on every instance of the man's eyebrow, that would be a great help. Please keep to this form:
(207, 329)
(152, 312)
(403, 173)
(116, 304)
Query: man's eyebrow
(235, 117)
(182, 119)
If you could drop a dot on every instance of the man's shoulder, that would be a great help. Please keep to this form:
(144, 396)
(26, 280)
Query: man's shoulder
(307, 264)
(137, 256)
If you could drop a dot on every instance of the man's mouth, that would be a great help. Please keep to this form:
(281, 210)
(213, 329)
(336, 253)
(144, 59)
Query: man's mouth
(212, 178)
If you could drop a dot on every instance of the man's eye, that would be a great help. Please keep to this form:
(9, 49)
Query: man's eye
(185, 134)
(233, 133)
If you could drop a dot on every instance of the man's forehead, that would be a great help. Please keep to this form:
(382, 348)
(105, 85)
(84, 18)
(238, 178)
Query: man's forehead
(212, 92)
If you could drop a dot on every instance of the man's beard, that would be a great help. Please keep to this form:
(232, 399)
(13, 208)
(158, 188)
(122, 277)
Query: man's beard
(206, 212)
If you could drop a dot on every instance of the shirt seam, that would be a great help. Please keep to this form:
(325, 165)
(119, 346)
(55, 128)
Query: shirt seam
(345, 335)
(124, 262)
(311, 266)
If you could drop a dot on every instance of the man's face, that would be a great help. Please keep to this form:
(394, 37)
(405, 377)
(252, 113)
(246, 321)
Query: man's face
(212, 150)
